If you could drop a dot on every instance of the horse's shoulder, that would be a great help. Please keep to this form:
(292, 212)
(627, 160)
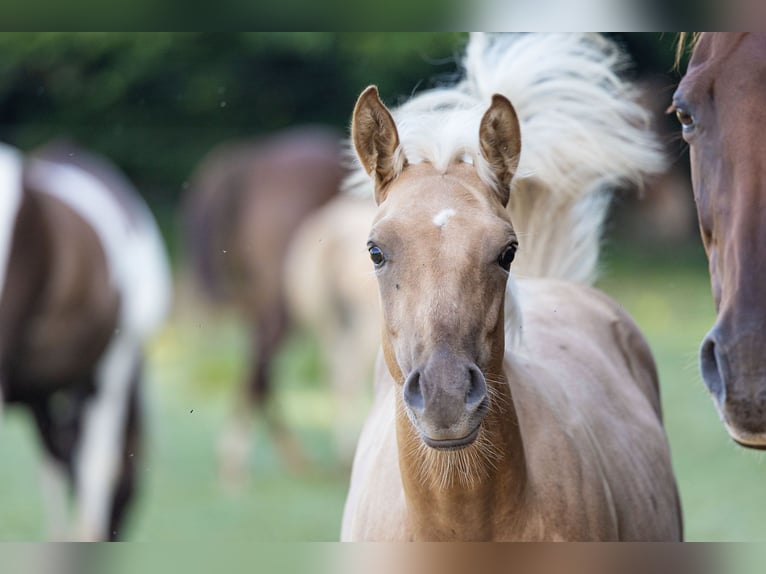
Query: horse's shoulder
(560, 310)
(626, 338)
(587, 394)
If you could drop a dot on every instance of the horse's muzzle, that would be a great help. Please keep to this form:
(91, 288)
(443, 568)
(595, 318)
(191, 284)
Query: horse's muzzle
(732, 373)
(446, 401)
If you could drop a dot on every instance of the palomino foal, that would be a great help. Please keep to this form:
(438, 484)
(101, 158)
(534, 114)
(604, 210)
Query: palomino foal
(476, 433)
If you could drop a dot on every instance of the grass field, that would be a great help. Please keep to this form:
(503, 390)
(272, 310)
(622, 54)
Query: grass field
(195, 361)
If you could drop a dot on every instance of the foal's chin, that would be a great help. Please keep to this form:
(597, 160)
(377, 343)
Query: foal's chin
(444, 463)
(451, 444)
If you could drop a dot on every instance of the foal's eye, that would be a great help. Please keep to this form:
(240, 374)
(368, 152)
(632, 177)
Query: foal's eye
(376, 255)
(685, 118)
(506, 257)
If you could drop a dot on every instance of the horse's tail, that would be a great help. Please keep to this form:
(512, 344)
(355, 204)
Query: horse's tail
(582, 135)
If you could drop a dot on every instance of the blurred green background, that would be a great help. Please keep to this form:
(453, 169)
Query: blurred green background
(155, 104)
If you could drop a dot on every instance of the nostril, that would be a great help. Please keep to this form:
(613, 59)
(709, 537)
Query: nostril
(413, 394)
(710, 368)
(477, 388)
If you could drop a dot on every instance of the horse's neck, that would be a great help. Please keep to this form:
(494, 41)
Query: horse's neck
(455, 506)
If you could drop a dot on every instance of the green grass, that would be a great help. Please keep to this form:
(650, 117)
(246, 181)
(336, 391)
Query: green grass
(197, 359)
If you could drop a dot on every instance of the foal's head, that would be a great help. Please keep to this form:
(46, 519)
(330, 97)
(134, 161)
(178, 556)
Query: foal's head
(721, 104)
(441, 245)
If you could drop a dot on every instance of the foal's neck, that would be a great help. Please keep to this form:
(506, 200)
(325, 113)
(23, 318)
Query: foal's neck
(464, 495)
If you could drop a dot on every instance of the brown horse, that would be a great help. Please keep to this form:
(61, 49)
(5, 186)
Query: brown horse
(721, 105)
(507, 410)
(246, 202)
(84, 281)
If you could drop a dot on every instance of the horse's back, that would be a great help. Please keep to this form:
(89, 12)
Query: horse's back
(594, 400)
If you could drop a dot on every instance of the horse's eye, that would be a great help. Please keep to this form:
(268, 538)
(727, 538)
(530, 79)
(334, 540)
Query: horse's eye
(684, 117)
(376, 255)
(506, 257)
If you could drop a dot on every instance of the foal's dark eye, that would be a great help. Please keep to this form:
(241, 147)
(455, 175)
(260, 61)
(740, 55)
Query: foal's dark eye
(376, 255)
(685, 118)
(506, 257)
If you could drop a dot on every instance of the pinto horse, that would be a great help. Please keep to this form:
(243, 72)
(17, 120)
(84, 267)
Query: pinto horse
(246, 202)
(508, 409)
(721, 105)
(84, 280)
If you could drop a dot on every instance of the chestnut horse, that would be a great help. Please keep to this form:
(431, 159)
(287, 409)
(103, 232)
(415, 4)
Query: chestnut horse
(721, 105)
(84, 280)
(246, 202)
(508, 410)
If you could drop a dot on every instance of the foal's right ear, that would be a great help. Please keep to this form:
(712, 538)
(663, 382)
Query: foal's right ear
(375, 139)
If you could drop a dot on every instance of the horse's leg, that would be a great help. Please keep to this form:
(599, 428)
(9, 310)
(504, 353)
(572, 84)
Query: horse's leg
(349, 377)
(131, 452)
(54, 474)
(234, 446)
(97, 459)
(58, 422)
(236, 440)
(54, 482)
(273, 331)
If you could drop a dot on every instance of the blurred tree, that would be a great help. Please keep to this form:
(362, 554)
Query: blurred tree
(155, 103)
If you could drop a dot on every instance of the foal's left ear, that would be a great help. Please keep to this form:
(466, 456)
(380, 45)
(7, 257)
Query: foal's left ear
(500, 140)
(375, 139)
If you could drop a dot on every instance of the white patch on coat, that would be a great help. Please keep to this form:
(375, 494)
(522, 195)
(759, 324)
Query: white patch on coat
(441, 218)
(99, 454)
(10, 201)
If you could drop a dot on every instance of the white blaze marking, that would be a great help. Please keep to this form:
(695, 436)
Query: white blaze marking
(10, 201)
(441, 218)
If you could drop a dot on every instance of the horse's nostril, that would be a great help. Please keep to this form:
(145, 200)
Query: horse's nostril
(477, 388)
(413, 394)
(711, 372)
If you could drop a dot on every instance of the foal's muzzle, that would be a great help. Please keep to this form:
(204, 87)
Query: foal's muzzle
(446, 401)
